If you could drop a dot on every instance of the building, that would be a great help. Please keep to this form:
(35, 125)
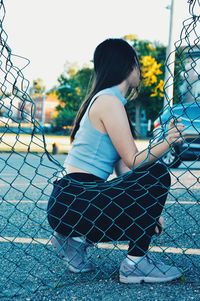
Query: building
(45, 108)
(51, 102)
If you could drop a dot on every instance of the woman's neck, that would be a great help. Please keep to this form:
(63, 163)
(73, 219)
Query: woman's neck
(123, 87)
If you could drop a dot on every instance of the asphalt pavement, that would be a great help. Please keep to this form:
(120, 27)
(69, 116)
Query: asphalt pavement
(30, 269)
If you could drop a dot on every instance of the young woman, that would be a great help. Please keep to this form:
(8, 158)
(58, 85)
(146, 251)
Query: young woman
(85, 207)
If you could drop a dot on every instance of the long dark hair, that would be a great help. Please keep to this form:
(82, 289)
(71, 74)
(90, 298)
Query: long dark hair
(114, 60)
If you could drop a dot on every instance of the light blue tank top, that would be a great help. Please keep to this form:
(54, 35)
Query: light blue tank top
(92, 150)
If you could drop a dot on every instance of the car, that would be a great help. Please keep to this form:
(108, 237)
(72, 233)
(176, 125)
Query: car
(189, 150)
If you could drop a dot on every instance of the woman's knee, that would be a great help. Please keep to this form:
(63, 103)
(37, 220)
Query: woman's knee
(160, 172)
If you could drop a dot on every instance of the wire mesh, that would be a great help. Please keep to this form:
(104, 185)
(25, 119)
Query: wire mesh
(37, 193)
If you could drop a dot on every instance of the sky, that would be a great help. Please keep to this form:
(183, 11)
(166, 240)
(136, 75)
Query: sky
(51, 32)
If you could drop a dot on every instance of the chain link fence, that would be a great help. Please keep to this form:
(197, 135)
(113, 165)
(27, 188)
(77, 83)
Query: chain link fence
(29, 264)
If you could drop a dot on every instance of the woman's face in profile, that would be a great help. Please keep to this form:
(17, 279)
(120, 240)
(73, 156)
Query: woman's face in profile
(134, 78)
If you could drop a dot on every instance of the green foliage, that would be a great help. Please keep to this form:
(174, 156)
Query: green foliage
(37, 87)
(152, 58)
(71, 91)
(65, 118)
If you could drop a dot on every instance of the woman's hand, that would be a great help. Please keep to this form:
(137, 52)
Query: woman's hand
(159, 228)
(175, 132)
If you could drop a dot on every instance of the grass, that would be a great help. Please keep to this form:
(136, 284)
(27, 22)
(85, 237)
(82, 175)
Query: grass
(24, 143)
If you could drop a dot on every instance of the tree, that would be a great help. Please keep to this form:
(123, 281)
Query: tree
(72, 89)
(37, 87)
(152, 59)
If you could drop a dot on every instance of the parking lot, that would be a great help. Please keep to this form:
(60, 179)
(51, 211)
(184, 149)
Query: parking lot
(30, 270)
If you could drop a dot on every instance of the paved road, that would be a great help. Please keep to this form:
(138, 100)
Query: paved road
(30, 270)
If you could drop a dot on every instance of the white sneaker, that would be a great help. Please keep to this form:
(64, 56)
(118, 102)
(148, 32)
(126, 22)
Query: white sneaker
(147, 270)
(73, 252)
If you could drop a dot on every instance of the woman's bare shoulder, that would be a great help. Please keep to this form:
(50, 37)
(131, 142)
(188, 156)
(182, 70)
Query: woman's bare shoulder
(108, 100)
(107, 103)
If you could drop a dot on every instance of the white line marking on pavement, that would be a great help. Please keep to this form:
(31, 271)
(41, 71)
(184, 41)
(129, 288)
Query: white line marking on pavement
(183, 202)
(157, 249)
(24, 184)
(24, 240)
(24, 202)
(45, 201)
(160, 249)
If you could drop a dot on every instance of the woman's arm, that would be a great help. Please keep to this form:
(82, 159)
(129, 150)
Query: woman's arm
(145, 157)
(114, 118)
(120, 168)
(157, 150)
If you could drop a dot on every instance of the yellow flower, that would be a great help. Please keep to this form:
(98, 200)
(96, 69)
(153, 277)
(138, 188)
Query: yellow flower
(55, 114)
(150, 70)
(130, 37)
(158, 90)
(78, 91)
(151, 47)
(72, 71)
